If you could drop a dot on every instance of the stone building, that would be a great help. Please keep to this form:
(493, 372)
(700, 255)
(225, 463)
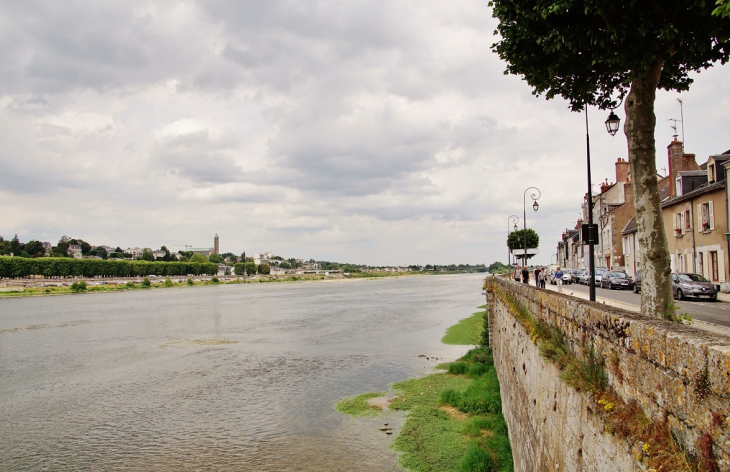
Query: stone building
(695, 218)
(203, 251)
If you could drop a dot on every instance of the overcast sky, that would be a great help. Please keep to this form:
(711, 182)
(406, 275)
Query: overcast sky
(378, 132)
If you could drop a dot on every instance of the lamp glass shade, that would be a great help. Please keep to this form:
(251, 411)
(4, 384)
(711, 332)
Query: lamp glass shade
(515, 226)
(535, 206)
(612, 123)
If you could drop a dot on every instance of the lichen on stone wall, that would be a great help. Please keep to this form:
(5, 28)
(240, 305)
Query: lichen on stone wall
(626, 370)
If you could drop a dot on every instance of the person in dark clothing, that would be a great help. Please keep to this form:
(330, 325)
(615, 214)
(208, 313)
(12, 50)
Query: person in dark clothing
(537, 276)
(525, 275)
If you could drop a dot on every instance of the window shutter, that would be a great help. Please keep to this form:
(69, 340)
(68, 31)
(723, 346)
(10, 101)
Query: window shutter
(699, 217)
(712, 215)
(721, 265)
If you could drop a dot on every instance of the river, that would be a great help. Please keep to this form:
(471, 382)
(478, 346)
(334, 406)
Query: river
(228, 377)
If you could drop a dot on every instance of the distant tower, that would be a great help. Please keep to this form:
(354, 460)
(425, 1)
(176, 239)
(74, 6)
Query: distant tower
(216, 245)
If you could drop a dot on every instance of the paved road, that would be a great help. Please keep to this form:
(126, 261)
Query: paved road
(712, 312)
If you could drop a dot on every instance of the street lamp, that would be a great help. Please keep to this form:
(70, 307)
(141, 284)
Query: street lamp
(590, 233)
(612, 123)
(535, 206)
(509, 220)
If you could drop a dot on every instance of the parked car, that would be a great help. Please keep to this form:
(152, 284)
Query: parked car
(599, 273)
(687, 285)
(615, 279)
(567, 276)
(583, 277)
(637, 282)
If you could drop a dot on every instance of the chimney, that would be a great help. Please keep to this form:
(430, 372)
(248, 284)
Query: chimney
(678, 161)
(579, 223)
(605, 186)
(622, 171)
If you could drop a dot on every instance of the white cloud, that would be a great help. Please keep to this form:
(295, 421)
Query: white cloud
(376, 132)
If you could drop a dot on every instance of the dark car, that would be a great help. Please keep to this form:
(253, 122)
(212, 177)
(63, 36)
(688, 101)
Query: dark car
(614, 279)
(637, 282)
(686, 285)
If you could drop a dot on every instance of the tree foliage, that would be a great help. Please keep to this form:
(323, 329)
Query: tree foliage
(516, 239)
(251, 267)
(199, 259)
(586, 52)
(264, 268)
(14, 267)
(723, 9)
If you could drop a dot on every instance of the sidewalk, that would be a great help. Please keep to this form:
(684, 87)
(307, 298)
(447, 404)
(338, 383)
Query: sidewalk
(699, 324)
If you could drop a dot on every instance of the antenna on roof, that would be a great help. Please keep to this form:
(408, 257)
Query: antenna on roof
(664, 170)
(674, 128)
(681, 115)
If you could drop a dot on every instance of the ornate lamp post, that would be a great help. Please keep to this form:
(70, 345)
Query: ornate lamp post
(509, 220)
(535, 206)
(591, 232)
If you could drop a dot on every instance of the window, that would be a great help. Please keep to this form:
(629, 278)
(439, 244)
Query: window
(679, 185)
(626, 245)
(678, 223)
(687, 221)
(714, 266)
(705, 216)
(711, 172)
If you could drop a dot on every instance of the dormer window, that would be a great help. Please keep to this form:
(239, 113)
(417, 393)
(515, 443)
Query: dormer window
(711, 173)
(679, 185)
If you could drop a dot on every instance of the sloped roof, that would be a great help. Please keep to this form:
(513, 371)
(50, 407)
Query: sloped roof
(699, 191)
(630, 227)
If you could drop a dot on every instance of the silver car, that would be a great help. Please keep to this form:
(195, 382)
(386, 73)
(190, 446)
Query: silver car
(686, 285)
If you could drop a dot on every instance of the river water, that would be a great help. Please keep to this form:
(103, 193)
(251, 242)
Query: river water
(229, 377)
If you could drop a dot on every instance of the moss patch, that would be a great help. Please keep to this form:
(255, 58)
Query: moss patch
(454, 421)
(358, 405)
(466, 332)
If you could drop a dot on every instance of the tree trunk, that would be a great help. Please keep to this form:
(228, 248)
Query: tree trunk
(656, 287)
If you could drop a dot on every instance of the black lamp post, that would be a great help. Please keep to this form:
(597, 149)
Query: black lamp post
(535, 206)
(509, 220)
(591, 234)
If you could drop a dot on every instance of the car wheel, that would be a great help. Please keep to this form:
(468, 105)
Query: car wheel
(610, 286)
(636, 290)
(680, 295)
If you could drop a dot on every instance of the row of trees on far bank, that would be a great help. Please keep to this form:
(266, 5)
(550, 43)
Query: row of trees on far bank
(250, 268)
(14, 267)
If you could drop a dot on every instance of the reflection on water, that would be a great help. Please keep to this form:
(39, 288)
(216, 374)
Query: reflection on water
(239, 377)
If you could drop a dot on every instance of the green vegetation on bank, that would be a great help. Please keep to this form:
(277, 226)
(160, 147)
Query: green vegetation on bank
(104, 286)
(358, 405)
(454, 421)
(466, 332)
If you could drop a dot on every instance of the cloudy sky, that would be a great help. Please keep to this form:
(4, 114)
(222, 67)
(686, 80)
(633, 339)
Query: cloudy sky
(379, 132)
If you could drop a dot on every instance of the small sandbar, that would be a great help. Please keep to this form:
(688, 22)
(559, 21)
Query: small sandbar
(199, 342)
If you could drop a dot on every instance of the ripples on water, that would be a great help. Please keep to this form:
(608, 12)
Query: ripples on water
(236, 377)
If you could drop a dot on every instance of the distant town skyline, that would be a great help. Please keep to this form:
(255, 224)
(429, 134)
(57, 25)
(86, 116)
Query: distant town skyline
(380, 132)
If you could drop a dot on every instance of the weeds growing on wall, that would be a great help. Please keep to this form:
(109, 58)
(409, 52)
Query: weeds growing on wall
(652, 440)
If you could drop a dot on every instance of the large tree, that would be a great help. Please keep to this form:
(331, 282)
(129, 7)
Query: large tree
(592, 51)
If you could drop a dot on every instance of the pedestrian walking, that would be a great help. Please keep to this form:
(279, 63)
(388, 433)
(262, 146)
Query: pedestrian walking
(558, 277)
(542, 279)
(525, 275)
(517, 273)
(537, 276)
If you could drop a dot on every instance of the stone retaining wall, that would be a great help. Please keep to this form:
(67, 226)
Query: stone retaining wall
(673, 371)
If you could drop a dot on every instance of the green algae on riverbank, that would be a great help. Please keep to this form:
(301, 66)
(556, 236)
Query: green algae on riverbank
(466, 332)
(454, 419)
(358, 405)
